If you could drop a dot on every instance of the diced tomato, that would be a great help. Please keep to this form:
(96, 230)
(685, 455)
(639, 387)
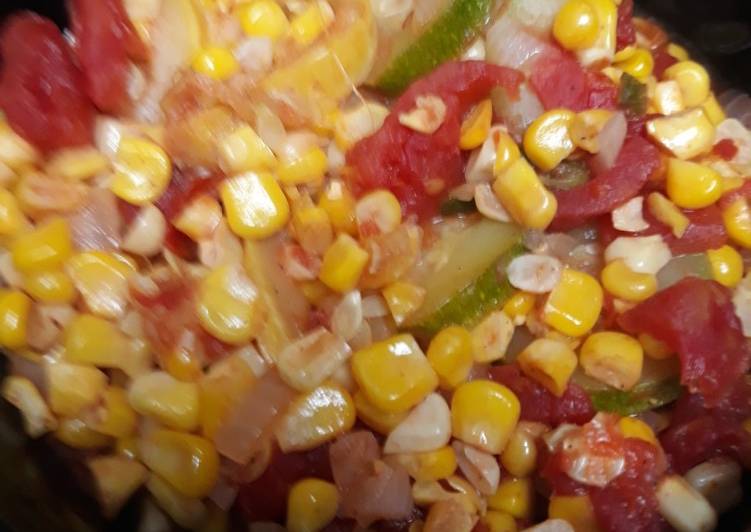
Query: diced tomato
(663, 60)
(184, 187)
(41, 90)
(725, 149)
(105, 38)
(538, 404)
(637, 160)
(626, 32)
(603, 93)
(180, 244)
(418, 168)
(697, 320)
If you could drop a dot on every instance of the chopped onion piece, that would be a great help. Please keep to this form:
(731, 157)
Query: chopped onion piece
(610, 140)
(426, 428)
(683, 507)
(630, 216)
(146, 233)
(509, 45)
(719, 481)
(642, 254)
(307, 362)
(347, 316)
(480, 468)
(536, 274)
(488, 204)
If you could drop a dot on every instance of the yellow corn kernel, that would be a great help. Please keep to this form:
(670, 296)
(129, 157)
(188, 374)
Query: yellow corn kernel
(622, 282)
(522, 193)
(102, 280)
(142, 171)
(394, 374)
(309, 167)
(519, 306)
(228, 305)
(429, 466)
(12, 219)
(693, 80)
(314, 291)
(576, 25)
(14, 319)
(520, 455)
(339, 204)
(484, 414)
(311, 505)
(613, 74)
(243, 150)
(450, 354)
(171, 402)
(75, 433)
(639, 65)
(506, 153)
(403, 299)
(315, 418)
(713, 110)
(127, 447)
(727, 265)
(377, 419)
(549, 362)
(737, 220)
(312, 229)
(189, 463)
(188, 512)
(586, 127)
(76, 164)
(612, 358)
(514, 496)
(668, 213)
(677, 51)
(654, 348)
(46, 247)
(311, 23)
(574, 304)
(577, 510)
(14, 150)
(255, 205)
(216, 63)
(92, 340)
(49, 286)
(263, 18)
(691, 185)
(476, 125)
(343, 264)
(668, 98)
(73, 387)
(115, 417)
(378, 212)
(499, 522)
(686, 135)
(632, 427)
(547, 140)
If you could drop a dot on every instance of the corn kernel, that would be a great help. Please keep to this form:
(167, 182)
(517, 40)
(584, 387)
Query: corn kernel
(309, 167)
(243, 150)
(668, 213)
(639, 65)
(514, 496)
(686, 135)
(429, 466)
(263, 18)
(727, 265)
(403, 299)
(450, 354)
(46, 247)
(314, 291)
(354, 124)
(49, 286)
(311, 505)
(577, 510)
(378, 212)
(255, 205)
(77, 164)
(506, 153)
(14, 318)
(142, 171)
(24, 395)
(312, 229)
(737, 220)
(519, 306)
(586, 127)
(216, 63)
(102, 280)
(339, 204)
(377, 419)
(75, 433)
(14, 150)
(476, 126)
(668, 99)
(574, 305)
(92, 340)
(654, 348)
(499, 522)
(677, 51)
(632, 427)
(491, 337)
(547, 140)
(622, 282)
(549, 362)
(73, 387)
(311, 23)
(520, 455)
(394, 374)
(576, 25)
(12, 219)
(693, 80)
(691, 185)
(127, 447)
(189, 463)
(114, 417)
(484, 414)
(171, 402)
(713, 110)
(612, 358)
(343, 264)
(521, 192)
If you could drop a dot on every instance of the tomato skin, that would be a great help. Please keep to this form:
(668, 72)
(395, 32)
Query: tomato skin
(41, 90)
(625, 32)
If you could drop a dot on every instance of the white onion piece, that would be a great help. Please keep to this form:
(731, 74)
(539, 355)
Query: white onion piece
(480, 468)
(96, 225)
(536, 274)
(508, 44)
(145, 235)
(535, 15)
(107, 134)
(742, 304)
(425, 11)
(517, 114)
(610, 140)
(684, 507)
(480, 164)
(391, 14)
(551, 525)
(254, 54)
(46, 322)
(374, 306)
(475, 51)
(694, 265)
(719, 480)
(736, 131)
(347, 316)
(270, 128)
(488, 204)
(630, 216)
(306, 363)
(642, 254)
(426, 428)
(296, 144)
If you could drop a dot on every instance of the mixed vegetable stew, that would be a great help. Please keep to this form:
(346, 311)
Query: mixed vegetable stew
(389, 265)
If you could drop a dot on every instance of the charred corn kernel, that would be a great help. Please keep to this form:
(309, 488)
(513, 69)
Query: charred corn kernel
(727, 265)
(102, 280)
(46, 247)
(586, 127)
(311, 23)
(668, 213)
(577, 510)
(431, 465)
(244, 150)
(394, 374)
(612, 358)
(254, 204)
(312, 229)
(547, 140)
(514, 496)
(127, 447)
(315, 418)
(476, 126)
(484, 414)
(311, 505)
(24, 395)
(450, 354)
(522, 193)
(308, 168)
(142, 171)
(12, 219)
(622, 282)
(14, 319)
(216, 63)
(49, 286)
(691, 185)
(115, 417)
(92, 340)
(639, 65)
(520, 455)
(668, 98)
(161, 396)
(189, 463)
(72, 387)
(654, 348)
(693, 80)
(403, 299)
(713, 110)
(677, 51)
(506, 153)
(77, 164)
(549, 362)
(574, 304)
(343, 263)
(339, 204)
(686, 135)
(263, 18)
(499, 522)
(378, 212)
(377, 419)
(576, 25)
(632, 427)
(519, 305)
(75, 433)
(352, 125)
(737, 220)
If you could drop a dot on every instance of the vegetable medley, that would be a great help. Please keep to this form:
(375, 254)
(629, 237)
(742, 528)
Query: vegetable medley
(395, 265)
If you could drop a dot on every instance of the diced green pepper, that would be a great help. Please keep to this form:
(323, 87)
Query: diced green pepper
(452, 207)
(567, 175)
(632, 95)
(642, 397)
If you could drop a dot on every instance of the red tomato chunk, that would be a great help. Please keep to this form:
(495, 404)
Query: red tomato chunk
(626, 32)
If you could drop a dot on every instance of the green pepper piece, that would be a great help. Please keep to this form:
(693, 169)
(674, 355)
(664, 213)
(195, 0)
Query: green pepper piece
(632, 95)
